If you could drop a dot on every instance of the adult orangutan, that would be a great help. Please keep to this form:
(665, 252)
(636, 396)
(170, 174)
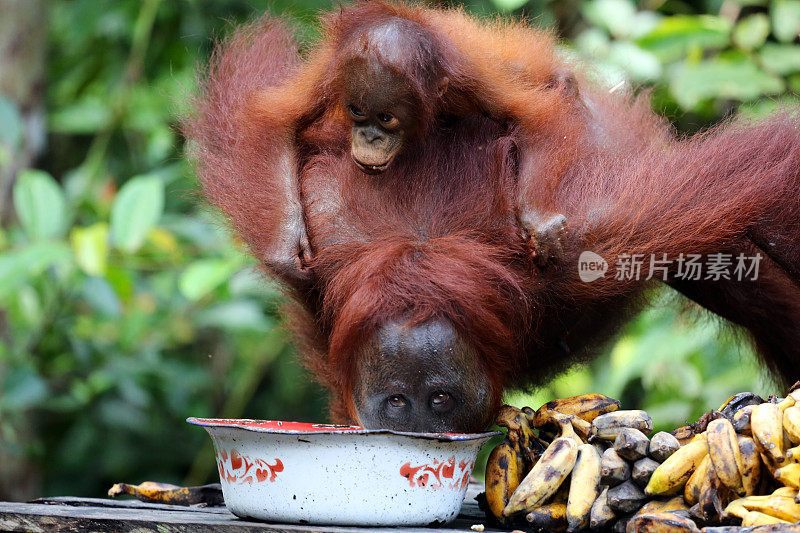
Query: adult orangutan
(415, 293)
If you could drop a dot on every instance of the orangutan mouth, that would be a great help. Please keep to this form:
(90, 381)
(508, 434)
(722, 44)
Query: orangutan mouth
(372, 169)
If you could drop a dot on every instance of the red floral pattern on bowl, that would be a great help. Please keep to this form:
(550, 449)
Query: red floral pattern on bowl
(236, 468)
(438, 473)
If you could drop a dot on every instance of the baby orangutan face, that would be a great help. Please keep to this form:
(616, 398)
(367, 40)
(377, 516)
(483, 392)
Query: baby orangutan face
(380, 105)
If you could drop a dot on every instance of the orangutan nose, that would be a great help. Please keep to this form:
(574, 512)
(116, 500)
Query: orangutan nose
(420, 377)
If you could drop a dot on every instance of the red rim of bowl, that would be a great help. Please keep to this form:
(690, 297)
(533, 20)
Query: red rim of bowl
(305, 428)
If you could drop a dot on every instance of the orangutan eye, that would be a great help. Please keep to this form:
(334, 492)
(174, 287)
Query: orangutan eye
(354, 111)
(396, 401)
(388, 121)
(441, 401)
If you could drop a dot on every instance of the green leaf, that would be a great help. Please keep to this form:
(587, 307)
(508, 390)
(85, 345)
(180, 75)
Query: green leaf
(780, 58)
(738, 80)
(675, 36)
(235, 315)
(90, 246)
(785, 20)
(508, 5)
(751, 32)
(202, 277)
(22, 389)
(136, 210)
(18, 266)
(40, 205)
(87, 116)
(640, 64)
(616, 16)
(10, 123)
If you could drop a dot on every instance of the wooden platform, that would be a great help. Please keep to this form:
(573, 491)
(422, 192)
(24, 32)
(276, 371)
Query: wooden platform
(106, 515)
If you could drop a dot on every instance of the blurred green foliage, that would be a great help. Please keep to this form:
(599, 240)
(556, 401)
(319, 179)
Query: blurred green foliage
(125, 305)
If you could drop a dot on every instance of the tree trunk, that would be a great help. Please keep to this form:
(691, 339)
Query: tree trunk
(23, 45)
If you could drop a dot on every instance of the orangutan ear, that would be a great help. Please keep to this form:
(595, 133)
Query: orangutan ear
(563, 80)
(442, 86)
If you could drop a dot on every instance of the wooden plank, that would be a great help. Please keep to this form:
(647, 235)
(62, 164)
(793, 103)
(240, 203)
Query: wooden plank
(124, 503)
(38, 517)
(106, 515)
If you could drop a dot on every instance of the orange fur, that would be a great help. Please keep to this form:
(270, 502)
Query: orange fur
(437, 235)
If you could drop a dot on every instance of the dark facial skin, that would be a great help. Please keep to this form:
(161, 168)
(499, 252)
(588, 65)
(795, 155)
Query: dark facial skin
(378, 102)
(421, 378)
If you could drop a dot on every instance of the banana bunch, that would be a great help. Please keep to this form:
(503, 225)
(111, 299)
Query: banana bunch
(582, 463)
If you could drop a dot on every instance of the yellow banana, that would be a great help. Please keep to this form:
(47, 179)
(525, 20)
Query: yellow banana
(672, 475)
(584, 487)
(581, 427)
(662, 505)
(698, 481)
(608, 426)
(793, 453)
(766, 424)
(566, 429)
(549, 517)
(750, 463)
(741, 420)
(723, 449)
(586, 407)
(791, 423)
(503, 475)
(507, 417)
(786, 403)
(735, 508)
(777, 506)
(545, 477)
(789, 475)
(754, 518)
(661, 523)
(786, 492)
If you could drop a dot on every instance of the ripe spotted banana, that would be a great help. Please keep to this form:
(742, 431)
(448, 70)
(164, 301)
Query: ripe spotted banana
(789, 475)
(608, 426)
(586, 406)
(754, 518)
(504, 472)
(766, 424)
(665, 522)
(549, 517)
(672, 475)
(545, 477)
(601, 514)
(584, 487)
(663, 505)
(751, 464)
(723, 449)
(777, 506)
(791, 423)
(698, 481)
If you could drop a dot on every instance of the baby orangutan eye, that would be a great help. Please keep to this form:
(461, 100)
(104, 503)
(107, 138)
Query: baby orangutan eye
(387, 120)
(396, 401)
(354, 111)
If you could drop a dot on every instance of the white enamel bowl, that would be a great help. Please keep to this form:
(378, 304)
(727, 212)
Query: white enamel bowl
(322, 474)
